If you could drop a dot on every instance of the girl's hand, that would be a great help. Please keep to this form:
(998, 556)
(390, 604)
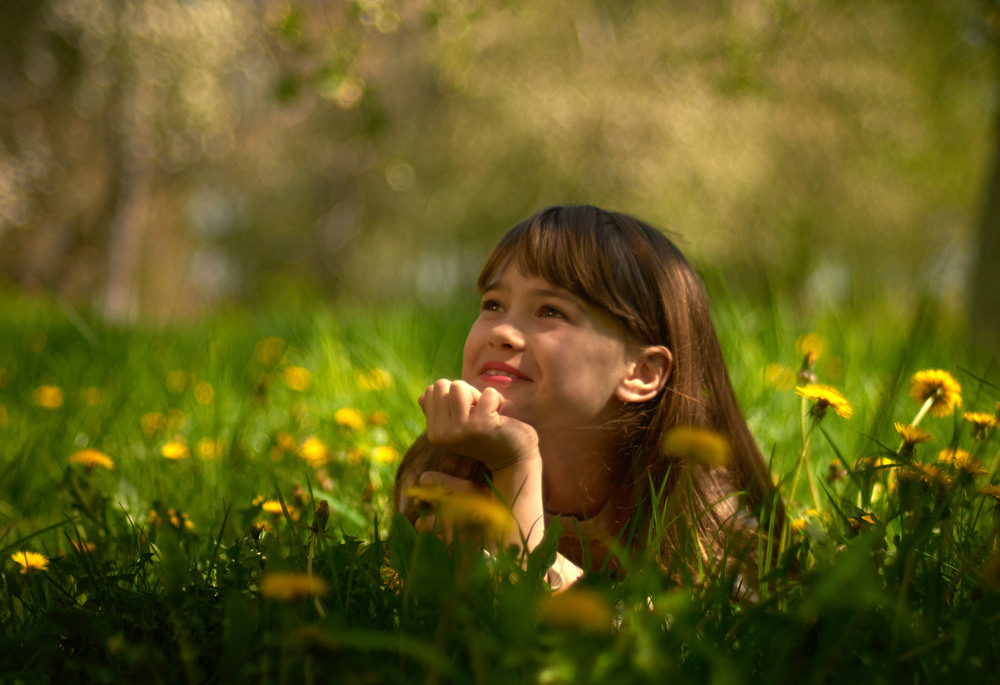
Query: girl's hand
(462, 419)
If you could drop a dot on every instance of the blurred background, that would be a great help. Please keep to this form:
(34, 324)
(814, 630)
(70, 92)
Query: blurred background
(160, 158)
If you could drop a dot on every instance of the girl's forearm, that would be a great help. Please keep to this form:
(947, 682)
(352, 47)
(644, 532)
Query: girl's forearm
(520, 487)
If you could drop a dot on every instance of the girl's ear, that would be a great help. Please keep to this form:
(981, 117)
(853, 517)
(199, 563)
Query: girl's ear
(647, 374)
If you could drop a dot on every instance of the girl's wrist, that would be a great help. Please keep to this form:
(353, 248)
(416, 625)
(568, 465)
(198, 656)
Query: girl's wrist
(520, 487)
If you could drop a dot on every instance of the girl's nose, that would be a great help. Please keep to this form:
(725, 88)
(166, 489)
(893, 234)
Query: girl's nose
(507, 335)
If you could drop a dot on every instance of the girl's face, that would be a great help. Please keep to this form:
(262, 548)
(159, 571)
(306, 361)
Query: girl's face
(556, 359)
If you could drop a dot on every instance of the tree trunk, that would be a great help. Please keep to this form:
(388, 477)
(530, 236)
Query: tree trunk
(984, 286)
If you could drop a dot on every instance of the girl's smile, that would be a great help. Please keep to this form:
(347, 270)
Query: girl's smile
(555, 358)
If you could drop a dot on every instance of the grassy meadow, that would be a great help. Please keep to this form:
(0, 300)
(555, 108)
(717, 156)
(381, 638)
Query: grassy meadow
(209, 502)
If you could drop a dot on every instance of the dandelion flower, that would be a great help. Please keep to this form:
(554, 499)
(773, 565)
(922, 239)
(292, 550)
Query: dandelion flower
(286, 442)
(177, 381)
(83, 547)
(577, 607)
(825, 397)
(204, 393)
(350, 419)
(375, 379)
(911, 434)
(92, 396)
(49, 396)
(470, 509)
(269, 350)
(938, 389)
(92, 459)
(991, 491)
(430, 493)
(314, 452)
(962, 461)
(384, 454)
(271, 506)
(152, 422)
(298, 378)
(811, 346)
(288, 586)
(378, 418)
(175, 450)
(779, 376)
(700, 445)
(208, 448)
(30, 561)
(928, 473)
(981, 422)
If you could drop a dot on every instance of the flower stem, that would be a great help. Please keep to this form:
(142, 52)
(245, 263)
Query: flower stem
(798, 464)
(923, 410)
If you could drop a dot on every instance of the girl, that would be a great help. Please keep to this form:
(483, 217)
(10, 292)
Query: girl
(594, 341)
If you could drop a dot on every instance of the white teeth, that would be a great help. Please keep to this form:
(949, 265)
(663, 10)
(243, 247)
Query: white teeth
(498, 372)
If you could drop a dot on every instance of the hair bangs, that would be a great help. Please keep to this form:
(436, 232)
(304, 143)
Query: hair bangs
(579, 249)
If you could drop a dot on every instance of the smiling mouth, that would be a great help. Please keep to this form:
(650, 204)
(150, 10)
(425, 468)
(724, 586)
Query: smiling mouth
(498, 373)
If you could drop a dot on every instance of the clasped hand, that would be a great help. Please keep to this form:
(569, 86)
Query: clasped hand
(462, 419)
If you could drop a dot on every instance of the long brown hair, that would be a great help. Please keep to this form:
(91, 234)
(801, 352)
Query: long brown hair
(635, 273)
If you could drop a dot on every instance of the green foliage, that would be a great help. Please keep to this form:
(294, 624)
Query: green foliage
(168, 570)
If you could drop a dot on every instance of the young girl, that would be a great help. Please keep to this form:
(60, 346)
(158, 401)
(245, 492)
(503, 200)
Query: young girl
(593, 341)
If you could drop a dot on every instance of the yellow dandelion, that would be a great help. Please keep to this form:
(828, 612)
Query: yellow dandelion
(779, 376)
(350, 419)
(911, 434)
(699, 445)
(314, 452)
(177, 381)
(271, 506)
(384, 454)
(204, 393)
(175, 450)
(287, 586)
(378, 418)
(825, 397)
(92, 459)
(298, 378)
(471, 509)
(91, 396)
(30, 561)
(49, 396)
(356, 455)
(962, 461)
(374, 379)
(175, 419)
(152, 422)
(982, 423)
(799, 524)
(577, 608)
(268, 350)
(429, 493)
(83, 547)
(928, 473)
(208, 448)
(811, 346)
(937, 390)
(286, 442)
(991, 491)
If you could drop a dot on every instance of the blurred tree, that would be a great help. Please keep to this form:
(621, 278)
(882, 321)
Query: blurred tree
(178, 154)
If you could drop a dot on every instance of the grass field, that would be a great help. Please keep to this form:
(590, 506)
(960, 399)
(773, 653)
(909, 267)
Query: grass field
(209, 502)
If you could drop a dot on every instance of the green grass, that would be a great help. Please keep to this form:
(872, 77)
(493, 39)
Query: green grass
(894, 578)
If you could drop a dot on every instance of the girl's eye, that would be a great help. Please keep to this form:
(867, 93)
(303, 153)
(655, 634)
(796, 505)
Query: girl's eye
(489, 306)
(550, 312)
